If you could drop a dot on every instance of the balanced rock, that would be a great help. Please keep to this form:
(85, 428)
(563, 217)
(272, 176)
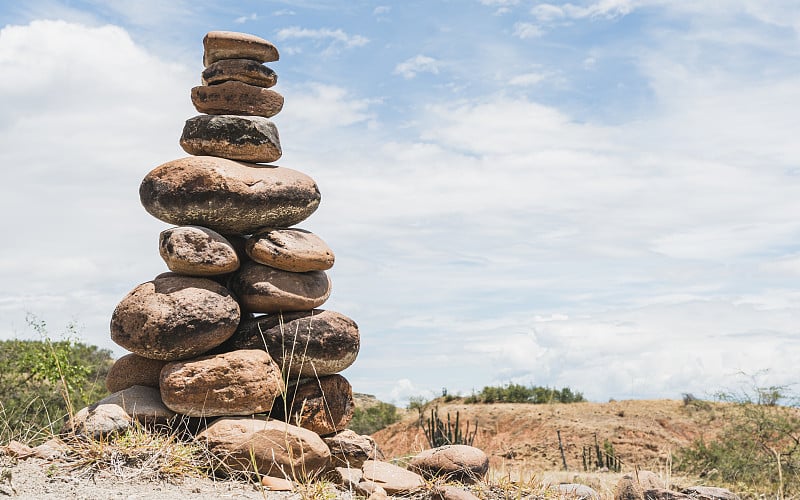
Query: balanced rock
(290, 249)
(232, 45)
(392, 478)
(349, 450)
(237, 98)
(272, 447)
(132, 369)
(457, 462)
(197, 251)
(323, 405)
(174, 317)
(306, 343)
(245, 138)
(141, 403)
(239, 70)
(234, 383)
(267, 289)
(228, 196)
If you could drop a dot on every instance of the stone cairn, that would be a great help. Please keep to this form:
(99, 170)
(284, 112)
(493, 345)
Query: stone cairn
(233, 330)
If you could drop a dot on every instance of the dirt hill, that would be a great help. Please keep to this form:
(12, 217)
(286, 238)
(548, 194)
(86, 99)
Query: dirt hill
(642, 433)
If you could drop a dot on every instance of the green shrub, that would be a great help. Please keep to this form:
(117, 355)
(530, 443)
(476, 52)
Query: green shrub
(372, 419)
(42, 381)
(517, 393)
(758, 450)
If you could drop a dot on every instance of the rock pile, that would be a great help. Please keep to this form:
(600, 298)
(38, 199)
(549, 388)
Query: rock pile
(233, 329)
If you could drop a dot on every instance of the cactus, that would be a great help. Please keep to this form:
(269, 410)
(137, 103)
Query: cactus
(439, 434)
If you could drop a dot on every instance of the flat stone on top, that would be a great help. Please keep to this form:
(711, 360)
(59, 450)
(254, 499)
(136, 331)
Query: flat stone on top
(240, 70)
(290, 249)
(236, 98)
(243, 138)
(233, 45)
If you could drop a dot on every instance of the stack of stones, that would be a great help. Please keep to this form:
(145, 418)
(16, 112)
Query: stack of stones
(233, 329)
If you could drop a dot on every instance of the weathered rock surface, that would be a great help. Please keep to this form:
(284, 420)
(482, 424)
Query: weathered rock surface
(306, 343)
(323, 405)
(245, 138)
(197, 251)
(232, 45)
(290, 249)
(275, 448)
(141, 403)
(239, 70)
(457, 462)
(99, 420)
(392, 478)
(237, 98)
(276, 484)
(234, 383)
(575, 491)
(350, 450)
(371, 490)
(710, 493)
(266, 289)
(450, 492)
(174, 317)
(132, 369)
(228, 196)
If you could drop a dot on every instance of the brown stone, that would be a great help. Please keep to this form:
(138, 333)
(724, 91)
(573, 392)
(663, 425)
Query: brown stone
(290, 249)
(244, 138)
(132, 369)
(99, 421)
(348, 449)
(575, 491)
(664, 494)
(16, 449)
(232, 45)
(323, 405)
(237, 98)
(346, 476)
(306, 343)
(234, 383)
(392, 478)
(632, 486)
(227, 196)
(273, 447)
(266, 289)
(239, 70)
(455, 462)
(141, 403)
(197, 251)
(276, 484)
(450, 492)
(371, 490)
(51, 449)
(174, 317)
(710, 493)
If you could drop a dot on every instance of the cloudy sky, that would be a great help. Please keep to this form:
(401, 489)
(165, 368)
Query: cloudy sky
(603, 194)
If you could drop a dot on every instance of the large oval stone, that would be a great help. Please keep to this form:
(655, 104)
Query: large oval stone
(323, 405)
(271, 447)
(290, 249)
(237, 98)
(239, 70)
(266, 289)
(197, 251)
(174, 317)
(234, 383)
(132, 369)
(233, 45)
(307, 343)
(227, 196)
(455, 462)
(245, 138)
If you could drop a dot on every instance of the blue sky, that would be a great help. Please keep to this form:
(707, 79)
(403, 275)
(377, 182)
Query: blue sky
(600, 194)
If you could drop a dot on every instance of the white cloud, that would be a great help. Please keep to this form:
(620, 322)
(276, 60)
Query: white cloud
(526, 79)
(284, 12)
(415, 65)
(338, 39)
(244, 19)
(546, 12)
(527, 30)
(381, 10)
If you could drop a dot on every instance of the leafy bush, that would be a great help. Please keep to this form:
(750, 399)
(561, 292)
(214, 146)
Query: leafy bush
(759, 449)
(42, 381)
(517, 393)
(374, 418)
